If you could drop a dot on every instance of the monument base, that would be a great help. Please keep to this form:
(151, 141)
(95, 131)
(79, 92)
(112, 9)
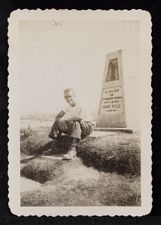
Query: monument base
(112, 129)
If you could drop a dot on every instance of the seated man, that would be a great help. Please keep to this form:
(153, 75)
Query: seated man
(72, 121)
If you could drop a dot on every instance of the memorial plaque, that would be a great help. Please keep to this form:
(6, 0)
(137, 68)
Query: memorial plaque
(112, 110)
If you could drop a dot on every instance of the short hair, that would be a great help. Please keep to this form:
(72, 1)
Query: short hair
(68, 90)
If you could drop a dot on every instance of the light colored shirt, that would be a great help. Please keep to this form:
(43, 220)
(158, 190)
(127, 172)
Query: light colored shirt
(76, 111)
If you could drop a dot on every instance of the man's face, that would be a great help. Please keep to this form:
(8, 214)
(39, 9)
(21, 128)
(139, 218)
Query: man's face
(70, 98)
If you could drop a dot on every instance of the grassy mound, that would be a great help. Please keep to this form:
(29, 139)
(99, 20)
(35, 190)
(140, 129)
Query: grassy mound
(37, 143)
(42, 170)
(110, 153)
(108, 190)
(120, 153)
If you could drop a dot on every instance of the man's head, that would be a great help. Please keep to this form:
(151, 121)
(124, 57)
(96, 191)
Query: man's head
(69, 96)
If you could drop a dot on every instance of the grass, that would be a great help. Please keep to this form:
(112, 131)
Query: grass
(117, 153)
(74, 184)
(120, 153)
(34, 142)
(25, 133)
(106, 172)
(38, 142)
(42, 170)
(108, 190)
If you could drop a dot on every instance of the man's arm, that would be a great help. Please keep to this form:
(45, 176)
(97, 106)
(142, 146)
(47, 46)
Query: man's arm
(77, 117)
(60, 115)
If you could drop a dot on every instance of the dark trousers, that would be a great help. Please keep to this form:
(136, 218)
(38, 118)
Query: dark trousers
(73, 129)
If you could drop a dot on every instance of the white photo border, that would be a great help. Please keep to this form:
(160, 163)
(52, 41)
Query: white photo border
(14, 117)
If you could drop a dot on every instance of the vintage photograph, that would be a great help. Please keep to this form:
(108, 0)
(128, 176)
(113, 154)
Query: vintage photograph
(79, 94)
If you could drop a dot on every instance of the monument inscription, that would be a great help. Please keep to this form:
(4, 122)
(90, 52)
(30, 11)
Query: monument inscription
(112, 110)
(112, 100)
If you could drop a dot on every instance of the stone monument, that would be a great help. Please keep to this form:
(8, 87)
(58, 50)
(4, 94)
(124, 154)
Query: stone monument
(111, 109)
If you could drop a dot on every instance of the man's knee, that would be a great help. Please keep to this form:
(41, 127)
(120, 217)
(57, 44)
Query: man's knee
(76, 124)
(76, 130)
(62, 126)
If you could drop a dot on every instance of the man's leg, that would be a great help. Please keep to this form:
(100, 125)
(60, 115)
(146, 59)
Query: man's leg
(75, 135)
(75, 130)
(55, 131)
(78, 130)
(86, 128)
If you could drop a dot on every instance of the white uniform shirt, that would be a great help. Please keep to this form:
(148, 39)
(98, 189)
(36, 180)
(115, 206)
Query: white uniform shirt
(76, 111)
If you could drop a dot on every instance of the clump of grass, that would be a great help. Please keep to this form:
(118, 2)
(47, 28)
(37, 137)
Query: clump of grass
(42, 170)
(108, 190)
(33, 144)
(120, 153)
(25, 133)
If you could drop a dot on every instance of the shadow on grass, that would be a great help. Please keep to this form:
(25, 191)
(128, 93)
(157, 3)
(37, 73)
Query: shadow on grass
(36, 145)
(57, 147)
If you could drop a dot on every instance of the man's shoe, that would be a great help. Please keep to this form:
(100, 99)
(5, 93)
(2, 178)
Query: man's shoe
(70, 155)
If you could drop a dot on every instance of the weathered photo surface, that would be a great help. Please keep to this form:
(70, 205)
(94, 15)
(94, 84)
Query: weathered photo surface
(79, 112)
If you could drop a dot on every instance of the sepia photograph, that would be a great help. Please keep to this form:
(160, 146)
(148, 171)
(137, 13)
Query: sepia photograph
(80, 101)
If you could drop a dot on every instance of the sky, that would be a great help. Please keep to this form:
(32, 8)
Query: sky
(55, 55)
